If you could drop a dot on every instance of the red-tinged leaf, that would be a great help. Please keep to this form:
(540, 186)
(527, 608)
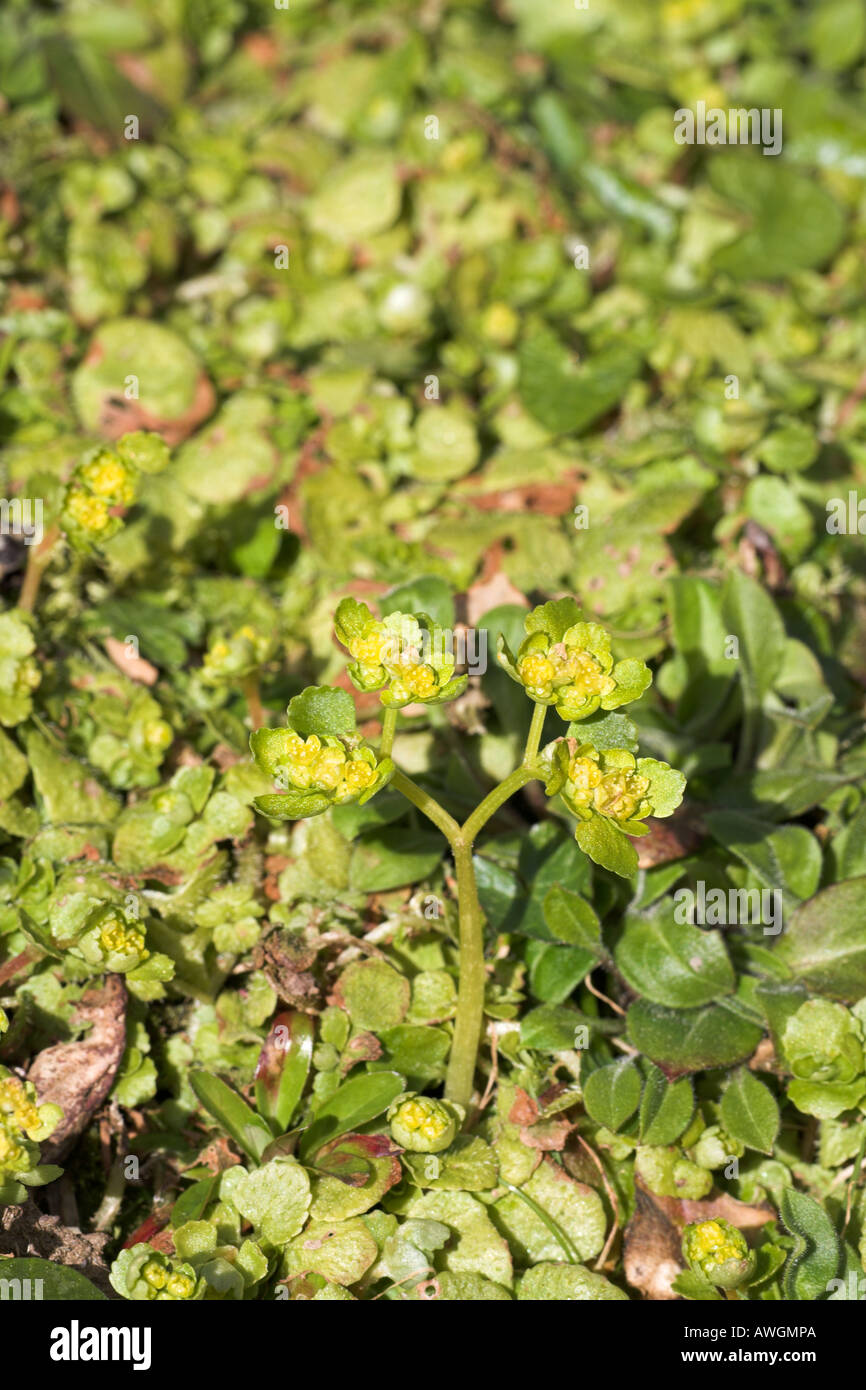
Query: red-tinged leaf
(283, 1067)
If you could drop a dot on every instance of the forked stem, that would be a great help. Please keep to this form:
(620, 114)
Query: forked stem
(469, 1018)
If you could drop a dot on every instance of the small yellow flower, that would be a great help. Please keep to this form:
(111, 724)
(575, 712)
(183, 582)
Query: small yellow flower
(619, 793)
(217, 654)
(13, 1156)
(106, 476)
(422, 1119)
(719, 1251)
(329, 768)
(420, 680)
(537, 673)
(358, 775)
(423, 1125)
(155, 1275)
(368, 649)
(500, 324)
(116, 937)
(306, 752)
(87, 511)
(158, 733)
(180, 1286)
(585, 775)
(586, 676)
(14, 1102)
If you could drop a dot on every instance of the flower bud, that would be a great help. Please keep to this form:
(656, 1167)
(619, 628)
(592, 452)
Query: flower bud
(144, 450)
(424, 1125)
(719, 1252)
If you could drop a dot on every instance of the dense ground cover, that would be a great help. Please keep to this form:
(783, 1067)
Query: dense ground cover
(388, 379)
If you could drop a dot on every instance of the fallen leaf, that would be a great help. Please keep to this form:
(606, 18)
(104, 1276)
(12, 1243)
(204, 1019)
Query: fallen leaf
(78, 1076)
(671, 839)
(120, 416)
(135, 667)
(651, 1248)
(25, 1232)
(491, 590)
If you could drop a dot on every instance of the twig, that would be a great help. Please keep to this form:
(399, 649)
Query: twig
(611, 1196)
(598, 994)
(494, 1069)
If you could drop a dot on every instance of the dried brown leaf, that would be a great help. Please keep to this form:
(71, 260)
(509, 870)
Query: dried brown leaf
(78, 1076)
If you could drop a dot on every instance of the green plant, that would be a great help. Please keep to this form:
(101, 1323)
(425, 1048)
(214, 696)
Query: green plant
(367, 310)
(565, 663)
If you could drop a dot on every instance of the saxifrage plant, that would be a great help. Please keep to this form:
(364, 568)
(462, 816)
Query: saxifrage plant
(564, 663)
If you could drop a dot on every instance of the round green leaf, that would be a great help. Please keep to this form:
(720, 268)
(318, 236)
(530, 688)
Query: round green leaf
(825, 945)
(681, 1040)
(373, 994)
(674, 963)
(275, 1198)
(324, 710)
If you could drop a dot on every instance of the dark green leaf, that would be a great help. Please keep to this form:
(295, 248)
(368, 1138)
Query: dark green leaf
(355, 1103)
(230, 1110)
(683, 1040)
(666, 1108)
(673, 963)
(612, 1093)
(48, 1281)
(749, 1112)
(825, 945)
(817, 1252)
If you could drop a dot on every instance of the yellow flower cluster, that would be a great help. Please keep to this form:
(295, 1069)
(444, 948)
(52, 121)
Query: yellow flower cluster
(108, 477)
(22, 1119)
(106, 483)
(118, 937)
(13, 1156)
(88, 512)
(411, 678)
(369, 648)
(163, 1281)
(16, 1105)
(422, 1117)
(415, 679)
(311, 765)
(567, 670)
(617, 794)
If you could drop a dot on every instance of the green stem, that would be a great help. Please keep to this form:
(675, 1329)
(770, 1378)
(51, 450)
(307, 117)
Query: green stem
(496, 798)
(427, 805)
(460, 1077)
(533, 738)
(253, 698)
(389, 725)
(469, 1019)
(38, 559)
